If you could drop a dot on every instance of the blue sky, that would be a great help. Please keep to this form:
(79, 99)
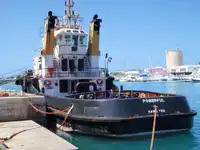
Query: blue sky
(132, 30)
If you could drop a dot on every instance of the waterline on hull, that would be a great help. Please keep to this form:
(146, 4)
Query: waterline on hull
(142, 134)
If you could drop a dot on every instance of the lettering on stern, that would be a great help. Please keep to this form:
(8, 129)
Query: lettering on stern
(158, 111)
(155, 100)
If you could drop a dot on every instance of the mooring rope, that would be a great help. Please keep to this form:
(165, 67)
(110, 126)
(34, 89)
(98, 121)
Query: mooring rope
(154, 125)
(66, 116)
(66, 111)
(49, 113)
(15, 134)
(56, 111)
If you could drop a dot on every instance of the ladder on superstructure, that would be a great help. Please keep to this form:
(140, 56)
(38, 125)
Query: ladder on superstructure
(87, 64)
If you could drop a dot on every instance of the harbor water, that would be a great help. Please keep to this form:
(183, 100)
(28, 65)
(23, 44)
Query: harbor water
(184, 141)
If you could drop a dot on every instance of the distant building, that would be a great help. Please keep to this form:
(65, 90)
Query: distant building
(184, 69)
(155, 70)
(132, 72)
(174, 58)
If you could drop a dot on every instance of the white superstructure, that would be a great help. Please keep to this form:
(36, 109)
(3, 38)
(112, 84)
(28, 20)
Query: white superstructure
(66, 58)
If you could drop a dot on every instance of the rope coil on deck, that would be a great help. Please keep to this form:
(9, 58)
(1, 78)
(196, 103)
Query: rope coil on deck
(154, 126)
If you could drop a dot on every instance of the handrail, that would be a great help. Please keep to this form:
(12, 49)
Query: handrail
(66, 22)
(120, 94)
(57, 72)
(91, 69)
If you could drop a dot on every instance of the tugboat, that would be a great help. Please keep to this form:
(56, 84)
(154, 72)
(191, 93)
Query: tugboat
(67, 73)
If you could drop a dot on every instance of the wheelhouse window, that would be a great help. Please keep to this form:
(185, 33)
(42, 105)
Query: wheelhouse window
(83, 40)
(75, 43)
(67, 39)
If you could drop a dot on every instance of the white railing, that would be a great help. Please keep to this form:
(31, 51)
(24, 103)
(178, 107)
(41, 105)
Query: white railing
(74, 22)
(59, 73)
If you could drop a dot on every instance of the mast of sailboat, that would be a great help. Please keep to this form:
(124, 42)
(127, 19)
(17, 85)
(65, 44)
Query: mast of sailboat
(150, 62)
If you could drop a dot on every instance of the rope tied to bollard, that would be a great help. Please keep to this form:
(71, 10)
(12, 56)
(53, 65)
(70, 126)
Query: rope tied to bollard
(154, 126)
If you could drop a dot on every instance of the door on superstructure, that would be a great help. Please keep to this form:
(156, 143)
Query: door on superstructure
(80, 64)
(71, 65)
(63, 86)
(64, 64)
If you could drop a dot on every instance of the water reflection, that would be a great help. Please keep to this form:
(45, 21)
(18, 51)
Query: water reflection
(11, 86)
(182, 141)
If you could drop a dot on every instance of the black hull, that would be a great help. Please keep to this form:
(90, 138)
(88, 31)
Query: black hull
(124, 117)
(133, 127)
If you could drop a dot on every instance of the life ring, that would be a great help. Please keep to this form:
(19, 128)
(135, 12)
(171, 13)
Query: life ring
(47, 83)
(99, 82)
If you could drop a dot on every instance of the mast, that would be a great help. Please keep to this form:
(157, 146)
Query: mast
(71, 15)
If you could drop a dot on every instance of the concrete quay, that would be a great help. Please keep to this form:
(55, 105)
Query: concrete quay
(35, 137)
(16, 108)
(16, 114)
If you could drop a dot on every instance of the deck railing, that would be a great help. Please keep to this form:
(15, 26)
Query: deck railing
(73, 22)
(119, 94)
(101, 72)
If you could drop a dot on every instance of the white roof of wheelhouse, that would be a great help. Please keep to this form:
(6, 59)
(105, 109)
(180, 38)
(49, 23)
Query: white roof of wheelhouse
(70, 31)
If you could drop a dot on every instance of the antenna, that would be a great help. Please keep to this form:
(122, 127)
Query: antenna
(71, 15)
(150, 62)
(69, 5)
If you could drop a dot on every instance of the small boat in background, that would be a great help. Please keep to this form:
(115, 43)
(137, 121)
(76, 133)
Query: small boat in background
(195, 79)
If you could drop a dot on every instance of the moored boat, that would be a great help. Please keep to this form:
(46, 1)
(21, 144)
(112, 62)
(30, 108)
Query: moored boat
(195, 79)
(67, 73)
(127, 113)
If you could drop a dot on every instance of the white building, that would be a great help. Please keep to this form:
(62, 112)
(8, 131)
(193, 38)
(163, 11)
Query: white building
(184, 69)
(132, 72)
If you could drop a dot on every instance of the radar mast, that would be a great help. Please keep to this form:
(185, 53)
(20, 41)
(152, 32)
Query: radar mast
(71, 16)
